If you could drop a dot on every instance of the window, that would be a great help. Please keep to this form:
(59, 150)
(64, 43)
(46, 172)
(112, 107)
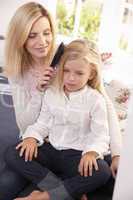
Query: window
(79, 18)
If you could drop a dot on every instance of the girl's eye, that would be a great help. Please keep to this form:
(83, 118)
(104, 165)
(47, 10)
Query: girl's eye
(80, 73)
(47, 33)
(66, 70)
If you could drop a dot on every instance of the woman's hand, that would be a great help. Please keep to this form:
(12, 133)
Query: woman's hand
(87, 162)
(114, 165)
(28, 147)
(44, 78)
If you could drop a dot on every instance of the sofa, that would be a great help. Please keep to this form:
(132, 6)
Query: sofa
(9, 131)
(8, 127)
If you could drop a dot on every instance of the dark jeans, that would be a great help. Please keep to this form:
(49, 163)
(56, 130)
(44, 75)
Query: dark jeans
(51, 162)
(11, 183)
(106, 191)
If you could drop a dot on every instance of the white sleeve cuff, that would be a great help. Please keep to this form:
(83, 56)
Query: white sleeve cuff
(30, 133)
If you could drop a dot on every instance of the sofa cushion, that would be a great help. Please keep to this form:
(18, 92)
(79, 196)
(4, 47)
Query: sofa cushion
(8, 129)
(119, 93)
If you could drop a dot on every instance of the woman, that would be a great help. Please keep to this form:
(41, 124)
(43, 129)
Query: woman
(28, 53)
(29, 49)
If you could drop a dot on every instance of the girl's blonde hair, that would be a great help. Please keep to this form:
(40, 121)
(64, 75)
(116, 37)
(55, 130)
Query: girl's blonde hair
(17, 59)
(88, 51)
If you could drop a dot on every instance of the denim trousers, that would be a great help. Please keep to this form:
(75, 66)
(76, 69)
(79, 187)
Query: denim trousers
(57, 172)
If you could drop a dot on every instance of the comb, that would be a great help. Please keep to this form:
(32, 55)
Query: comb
(57, 55)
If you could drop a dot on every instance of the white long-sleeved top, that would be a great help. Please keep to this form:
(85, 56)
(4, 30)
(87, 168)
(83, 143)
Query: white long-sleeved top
(79, 122)
(27, 100)
(114, 128)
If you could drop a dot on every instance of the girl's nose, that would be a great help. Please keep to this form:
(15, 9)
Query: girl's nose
(71, 77)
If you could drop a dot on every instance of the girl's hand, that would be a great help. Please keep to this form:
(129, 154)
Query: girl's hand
(114, 165)
(44, 78)
(28, 147)
(87, 162)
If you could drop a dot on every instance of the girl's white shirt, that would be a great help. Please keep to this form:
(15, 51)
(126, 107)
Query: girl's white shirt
(114, 128)
(79, 121)
(27, 102)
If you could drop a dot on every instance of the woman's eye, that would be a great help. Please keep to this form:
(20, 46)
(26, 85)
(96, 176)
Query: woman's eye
(32, 36)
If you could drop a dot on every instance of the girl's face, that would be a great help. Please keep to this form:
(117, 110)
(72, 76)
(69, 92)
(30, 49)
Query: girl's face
(76, 75)
(40, 39)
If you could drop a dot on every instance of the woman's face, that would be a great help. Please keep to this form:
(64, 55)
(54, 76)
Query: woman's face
(40, 39)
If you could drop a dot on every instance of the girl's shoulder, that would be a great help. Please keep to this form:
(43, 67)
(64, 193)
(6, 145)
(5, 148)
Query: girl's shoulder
(95, 94)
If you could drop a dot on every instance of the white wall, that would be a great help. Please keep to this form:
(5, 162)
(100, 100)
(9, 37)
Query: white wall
(110, 25)
(8, 7)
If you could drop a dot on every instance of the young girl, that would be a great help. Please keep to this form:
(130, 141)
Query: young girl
(74, 117)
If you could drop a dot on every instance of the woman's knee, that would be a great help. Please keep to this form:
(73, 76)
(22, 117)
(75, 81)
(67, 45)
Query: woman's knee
(11, 155)
(9, 178)
(10, 184)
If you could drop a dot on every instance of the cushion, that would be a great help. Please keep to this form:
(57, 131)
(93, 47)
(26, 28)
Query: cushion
(8, 129)
(119, 93)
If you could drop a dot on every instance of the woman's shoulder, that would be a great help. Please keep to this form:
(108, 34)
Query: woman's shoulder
(15, 80)
(19, 79)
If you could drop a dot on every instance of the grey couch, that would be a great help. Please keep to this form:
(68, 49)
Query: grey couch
(8, 128)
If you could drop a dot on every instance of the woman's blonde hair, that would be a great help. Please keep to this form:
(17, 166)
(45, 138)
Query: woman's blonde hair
(88, 51)
(17, 59)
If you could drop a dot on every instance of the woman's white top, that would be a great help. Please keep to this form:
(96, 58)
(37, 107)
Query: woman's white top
(27, 100)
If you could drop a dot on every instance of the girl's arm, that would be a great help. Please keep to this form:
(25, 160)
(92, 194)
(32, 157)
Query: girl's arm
(115, 136)
(114, 129)
(98, 138)
(27, 107)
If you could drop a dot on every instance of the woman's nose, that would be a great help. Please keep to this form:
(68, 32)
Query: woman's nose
(42, 40)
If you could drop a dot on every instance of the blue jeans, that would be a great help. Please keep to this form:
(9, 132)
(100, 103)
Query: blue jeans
(11, 183)
(106, 191)
(43, 170)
